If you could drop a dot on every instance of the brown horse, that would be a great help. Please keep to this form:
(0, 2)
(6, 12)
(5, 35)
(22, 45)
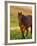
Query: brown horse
(24, 23)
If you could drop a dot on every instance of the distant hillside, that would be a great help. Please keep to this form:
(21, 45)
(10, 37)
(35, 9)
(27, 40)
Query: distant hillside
(26, 10)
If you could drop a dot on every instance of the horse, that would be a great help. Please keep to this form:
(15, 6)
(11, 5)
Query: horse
(25, 21)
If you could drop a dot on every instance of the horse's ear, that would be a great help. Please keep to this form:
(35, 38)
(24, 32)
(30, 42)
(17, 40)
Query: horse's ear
(19, 12)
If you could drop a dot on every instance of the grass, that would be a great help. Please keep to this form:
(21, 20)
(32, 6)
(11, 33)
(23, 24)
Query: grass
(16, 33)
(13, 21)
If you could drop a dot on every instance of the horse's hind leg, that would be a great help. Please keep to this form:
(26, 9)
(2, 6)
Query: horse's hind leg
(31, 29)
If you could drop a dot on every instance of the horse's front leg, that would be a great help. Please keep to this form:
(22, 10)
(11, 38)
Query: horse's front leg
(22, 30)
(26, 31)
(23, 35)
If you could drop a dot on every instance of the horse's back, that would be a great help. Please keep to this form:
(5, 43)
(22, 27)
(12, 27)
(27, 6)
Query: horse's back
(26, 20)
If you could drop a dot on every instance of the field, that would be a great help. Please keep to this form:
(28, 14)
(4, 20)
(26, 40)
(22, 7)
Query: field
(15, 32)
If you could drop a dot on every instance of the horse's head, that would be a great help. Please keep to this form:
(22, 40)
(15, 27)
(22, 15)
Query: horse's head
(19, 15)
